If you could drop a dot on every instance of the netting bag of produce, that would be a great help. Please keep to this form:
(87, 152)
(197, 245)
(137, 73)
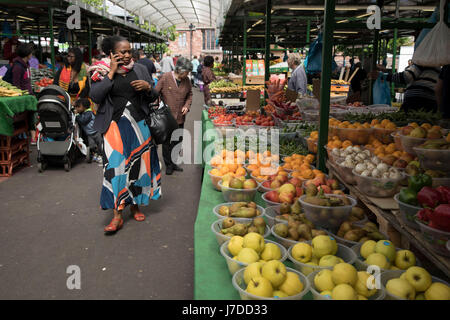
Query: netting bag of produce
(434, 50)
(381, 91)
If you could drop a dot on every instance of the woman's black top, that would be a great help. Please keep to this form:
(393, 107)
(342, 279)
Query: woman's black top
(122, 92)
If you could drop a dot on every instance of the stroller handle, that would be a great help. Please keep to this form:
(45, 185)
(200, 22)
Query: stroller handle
(54, 90)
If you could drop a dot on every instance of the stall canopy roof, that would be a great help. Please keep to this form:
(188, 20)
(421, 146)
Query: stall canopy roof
(165, 13)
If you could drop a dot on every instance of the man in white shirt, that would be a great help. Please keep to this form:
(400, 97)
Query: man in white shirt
(298, 81)
(167, 64)
(195, 64)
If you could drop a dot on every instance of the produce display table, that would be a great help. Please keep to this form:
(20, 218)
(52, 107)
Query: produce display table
(10, 106)
(212, 280)
(392, 217)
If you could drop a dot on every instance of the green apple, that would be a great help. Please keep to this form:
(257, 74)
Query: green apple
(275, 272)
(247, 255)
(279, 294)
(367, 248)
(323, 281)
(253, 270)
(326, 294)
(419, 278)
(362, 286)
(307, 270)
(386, 248)
(420, 296)
(235, 245)
(260, 287)
(360, 297)
(344, 273)
(377, 259)
(401, 288)
(328, 261)
(302, 252)
(438, 291)
(292, 285)
(323, 245)
(344, 291)
(254, 241)
(405, 259)
(271, 252)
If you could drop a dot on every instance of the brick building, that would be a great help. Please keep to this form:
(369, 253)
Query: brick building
(203, 42)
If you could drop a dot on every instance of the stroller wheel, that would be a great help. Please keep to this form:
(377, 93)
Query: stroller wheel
(67, 165)
(42, 166)
(88, 155)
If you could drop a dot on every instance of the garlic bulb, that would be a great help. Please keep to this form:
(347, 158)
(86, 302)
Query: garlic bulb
(395, 175)
(375, 159)
(349, 157)
(382, 167)
(335, 152)
(385, 175)
(360, 167)
(365, 173)
(376, 173)
(356, 149)
(367, 153)
(348, 164)
(370, 166)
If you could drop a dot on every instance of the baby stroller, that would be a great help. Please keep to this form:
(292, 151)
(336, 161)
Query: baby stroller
(58, 140)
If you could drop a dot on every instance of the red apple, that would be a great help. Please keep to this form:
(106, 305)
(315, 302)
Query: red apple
(299, 191)
(275, 184)
(296, 182)
(273, 196)
(250, 184)
(282, 179)
(286, 197)
(266, 184)
(325, 188)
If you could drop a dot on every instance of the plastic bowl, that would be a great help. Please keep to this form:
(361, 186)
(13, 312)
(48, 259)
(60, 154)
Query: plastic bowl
(341, 186)
(338, 113)
(215, 180)
(221, 238)
(240, 286)
(219, 216)
(349, 243)
(346, 173)
(269, 203)
(362, 266)
(407, 213)
(311, 115)
(408, 143)
(433, 159)
(383, 135)
(270, 213)
(393, 274)
(263, 189)
(287, 243)
(234, 265)
(237, 195)
(333, 158)
(436, 238)
(327, 217)
(356, 136)
(380, 295)
(398, 141)
(375, 187)
(343, 252)
(312, 145)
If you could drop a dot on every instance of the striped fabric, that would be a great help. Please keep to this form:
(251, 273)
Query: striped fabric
(420, 81)
(131, 171)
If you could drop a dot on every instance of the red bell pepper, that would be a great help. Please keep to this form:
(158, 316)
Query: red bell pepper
(429, 197)
(424, 214)
(441, 217)
(445, 194)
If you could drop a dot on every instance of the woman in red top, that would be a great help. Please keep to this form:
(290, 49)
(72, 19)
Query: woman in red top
(208, 77)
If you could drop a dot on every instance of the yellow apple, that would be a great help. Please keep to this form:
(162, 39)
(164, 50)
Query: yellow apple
(360, 297)
(308, 270)
(254, 241)
(328, 261)
(419, 278)
(344, 291)
(253, 270)
(344, 273)
(386, 248)
(420, 296)
(401, 288)
(438, 291)
(260, 287)
(279, 294)
(405, 259)
(361, 285)
(247, 255)
(275, 272)
(367, 248)
(323, 281)
(271, 252)
(378, 259)
(302, 252)
(323, 245)
(292, 285)
(235, 245)
(326, 294)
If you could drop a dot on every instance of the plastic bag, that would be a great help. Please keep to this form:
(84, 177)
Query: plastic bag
(434, 50)
(313, 62)
(381, 91)
(433, 19)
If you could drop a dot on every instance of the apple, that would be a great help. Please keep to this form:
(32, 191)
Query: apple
(401, 288)
(323, 245)
(386, 248)
(438, 291)
(328, 261)
(236, 183)
(407, 130)
(308, 270)
(360, 297)
(287, 188)
(275, 272)
(326, 294)
(286, 197)
(273, 196)
(326, 189)
(279, 294)
(344, 273)
(323, 280)
(292, 285)
(253, 270)
(260, 286)
(296, 182)
(275, 184)
(254, 241)
(344, 291)
(266, 184)
(302, 252)
(271, 252)
(378, 259)
(361, 285)
(420, 296)
(247, 255)
(405, 259)
(227, 177)
(299, 192)
(367, 248)
(250, 184)
(282, 179)
(419, 278)
(235, 245)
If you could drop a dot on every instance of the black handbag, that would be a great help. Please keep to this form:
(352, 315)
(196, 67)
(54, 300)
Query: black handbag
(161, 123)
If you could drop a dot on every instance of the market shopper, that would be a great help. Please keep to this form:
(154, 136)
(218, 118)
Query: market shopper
(20, 70)
(176, 92)
(131, 172)
(167, 64)
(207, 77)
(141, 58)
(298, 80)
(195, 64)
(73, 77)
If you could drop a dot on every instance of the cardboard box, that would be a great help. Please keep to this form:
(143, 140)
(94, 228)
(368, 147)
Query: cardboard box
(253, 100)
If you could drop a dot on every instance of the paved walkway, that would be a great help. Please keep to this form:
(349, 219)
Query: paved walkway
(51, 220)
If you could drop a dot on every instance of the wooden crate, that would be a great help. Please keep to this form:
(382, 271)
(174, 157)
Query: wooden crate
(18, 160)
(6, 154)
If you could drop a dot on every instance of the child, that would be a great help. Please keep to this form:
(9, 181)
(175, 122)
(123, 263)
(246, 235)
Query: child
(85, 118)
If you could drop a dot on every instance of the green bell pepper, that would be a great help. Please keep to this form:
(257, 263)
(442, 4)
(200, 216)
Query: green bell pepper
(416, 183)
(408, 196)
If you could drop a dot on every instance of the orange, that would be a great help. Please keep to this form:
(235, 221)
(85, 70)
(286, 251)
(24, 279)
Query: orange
(346, 143)
(240, 171)
(414, 124)
(337, 144)
(232, 167)
(215, 172)
(379, 149)
(252, 167)
(381, 155)
(390, 148)
(390, 126)
(336, 138)
(310, 158)
(384, 122)
(366, 125)
(256, 172)
(308, 174)
(283, 173)
(397, 154)
(287, 166)
(374, 122)
(224, 170)
(317, 172)
(426, 126)
(288, 159)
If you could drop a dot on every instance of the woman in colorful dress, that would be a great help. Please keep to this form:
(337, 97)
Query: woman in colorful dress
(208, 77)
(73, 77)
(131, 172)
